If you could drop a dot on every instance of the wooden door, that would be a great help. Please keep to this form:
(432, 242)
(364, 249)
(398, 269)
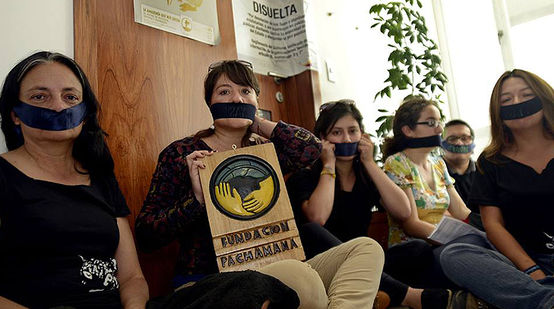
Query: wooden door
(150, 86)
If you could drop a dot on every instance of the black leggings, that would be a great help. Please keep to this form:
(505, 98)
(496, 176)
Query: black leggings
(317, 239)
(417, 263)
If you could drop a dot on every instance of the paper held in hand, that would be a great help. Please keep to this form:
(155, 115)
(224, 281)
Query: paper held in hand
(449, 229)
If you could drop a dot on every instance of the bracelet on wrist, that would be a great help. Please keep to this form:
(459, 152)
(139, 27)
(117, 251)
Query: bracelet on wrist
(328, 171)
(532, 269)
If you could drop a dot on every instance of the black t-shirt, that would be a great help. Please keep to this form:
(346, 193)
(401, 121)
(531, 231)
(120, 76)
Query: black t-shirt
(525, 198)
(463, 184)
(58, 242)
(351, 214)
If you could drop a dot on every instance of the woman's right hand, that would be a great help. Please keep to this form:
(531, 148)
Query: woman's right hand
(366, 147)
(327, 153)
(194, 164)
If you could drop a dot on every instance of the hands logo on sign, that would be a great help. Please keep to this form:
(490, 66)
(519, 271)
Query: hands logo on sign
(244, 187)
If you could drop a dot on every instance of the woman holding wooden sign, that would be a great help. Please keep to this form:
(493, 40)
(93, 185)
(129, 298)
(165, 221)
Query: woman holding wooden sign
(346, 276)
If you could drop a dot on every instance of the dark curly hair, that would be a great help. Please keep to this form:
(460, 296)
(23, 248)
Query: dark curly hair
(406, 115)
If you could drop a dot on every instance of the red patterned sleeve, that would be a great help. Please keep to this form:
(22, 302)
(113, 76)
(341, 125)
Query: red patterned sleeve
(170, 206)
(296, 147)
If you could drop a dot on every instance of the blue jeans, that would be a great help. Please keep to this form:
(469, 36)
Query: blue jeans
(494, 278)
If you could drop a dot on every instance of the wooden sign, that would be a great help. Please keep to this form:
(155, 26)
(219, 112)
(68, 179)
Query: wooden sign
(248, 208)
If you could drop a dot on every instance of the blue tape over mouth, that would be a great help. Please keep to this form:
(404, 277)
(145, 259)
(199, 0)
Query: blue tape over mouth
(346, 149)
(457, 148)
(424, 142)
(48, 119)
(233, 110)
(521, 110)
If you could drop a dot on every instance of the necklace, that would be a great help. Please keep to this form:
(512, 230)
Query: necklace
(219, 146)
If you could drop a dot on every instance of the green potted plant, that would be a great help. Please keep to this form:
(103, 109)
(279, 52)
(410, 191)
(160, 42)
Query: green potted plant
(415, 64)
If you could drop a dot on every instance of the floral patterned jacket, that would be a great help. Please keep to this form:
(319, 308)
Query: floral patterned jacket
(431, 203)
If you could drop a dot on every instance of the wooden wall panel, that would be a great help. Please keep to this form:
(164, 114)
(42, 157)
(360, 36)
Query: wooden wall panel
(150, 86)
(267, 100)
(149, 83)
(301, 94)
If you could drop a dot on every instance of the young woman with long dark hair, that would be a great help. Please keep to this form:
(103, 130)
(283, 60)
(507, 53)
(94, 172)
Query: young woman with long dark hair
(514, 187)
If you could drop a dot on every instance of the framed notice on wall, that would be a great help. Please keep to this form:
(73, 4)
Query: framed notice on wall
(275, 36)
(194, 19)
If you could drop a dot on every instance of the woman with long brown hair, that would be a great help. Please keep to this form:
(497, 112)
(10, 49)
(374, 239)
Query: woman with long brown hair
(515, 191)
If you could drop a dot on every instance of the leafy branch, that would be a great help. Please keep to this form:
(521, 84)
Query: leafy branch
(415, 63)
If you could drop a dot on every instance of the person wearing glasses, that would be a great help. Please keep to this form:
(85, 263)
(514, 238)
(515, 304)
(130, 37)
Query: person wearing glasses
(339, 191)
(414, 165)
(457, 148)
(513, 187)
(347, 276)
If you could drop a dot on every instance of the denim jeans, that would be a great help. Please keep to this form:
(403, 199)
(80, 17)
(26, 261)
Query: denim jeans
(492, 277)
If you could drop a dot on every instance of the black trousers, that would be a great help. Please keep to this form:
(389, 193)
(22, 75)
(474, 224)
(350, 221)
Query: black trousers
(417, 264)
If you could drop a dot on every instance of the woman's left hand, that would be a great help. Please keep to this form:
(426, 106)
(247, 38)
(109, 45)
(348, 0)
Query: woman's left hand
(365, 147)
(537, 275)
(262, 126)
(255, 126)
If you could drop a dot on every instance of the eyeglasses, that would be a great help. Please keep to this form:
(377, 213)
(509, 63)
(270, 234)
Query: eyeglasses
(220, 63)
(466, 139)
(433, 123)
(325, 106)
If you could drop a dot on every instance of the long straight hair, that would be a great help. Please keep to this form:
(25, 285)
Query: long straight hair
(501, 135)
(330, 113)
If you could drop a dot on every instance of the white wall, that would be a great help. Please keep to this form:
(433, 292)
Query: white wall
(528, 10)
(531, 53)
(27, 26)
(476, 61)
(358, 55)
